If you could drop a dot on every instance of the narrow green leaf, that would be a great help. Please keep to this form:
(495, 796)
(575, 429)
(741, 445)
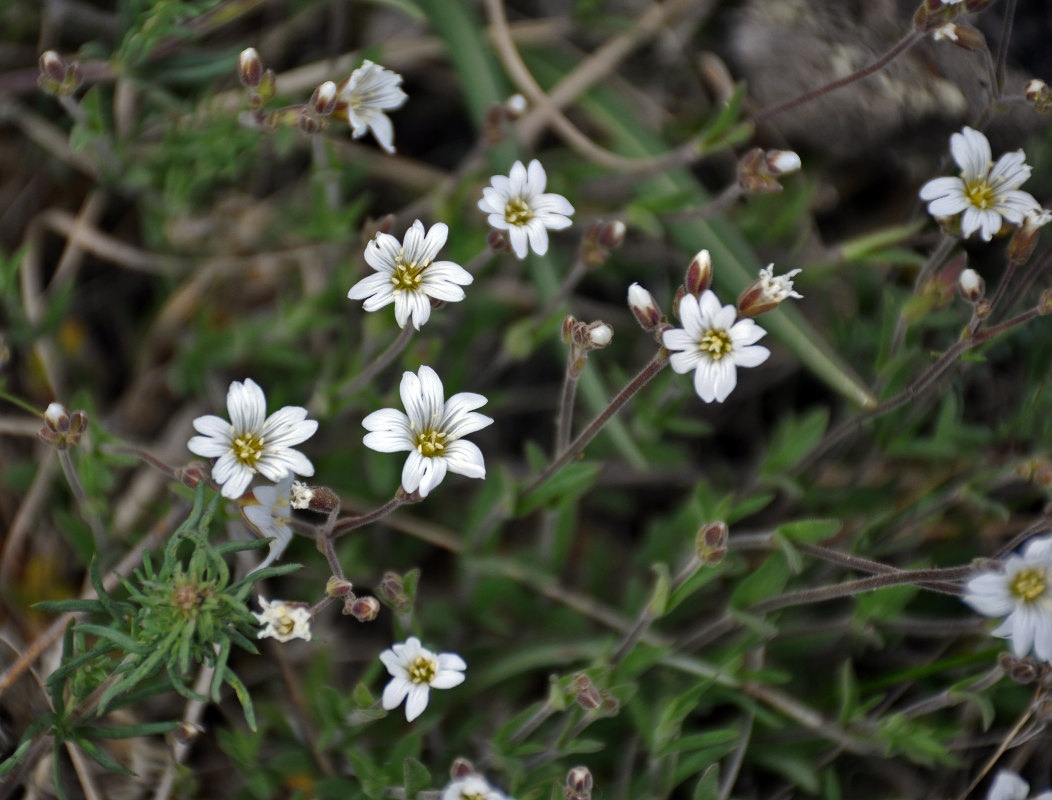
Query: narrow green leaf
(708, 787)
(570, 482)
(416, 777)
(127, 731)
(100, 756)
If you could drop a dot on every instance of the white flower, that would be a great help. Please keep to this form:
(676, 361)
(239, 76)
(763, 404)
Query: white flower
(1009, 786)
(713, 345)
(519, 205)
(1021, 591)
(473, 787)
(283, 621)
(365, 96)
(271, 515)
(985, 192)
(415, 672)
(249, 443)
(408, 276)
(1038, 217)
(432, 432)
(948, 30)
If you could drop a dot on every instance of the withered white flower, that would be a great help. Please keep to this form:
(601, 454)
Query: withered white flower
(432, 431)
(365, 96)
(415, 671)
(519, 205)
(270, 517)
(713, 345)
(283, 621)
(252, 442)
(408, 275)
(1021, 592)
(985, 192)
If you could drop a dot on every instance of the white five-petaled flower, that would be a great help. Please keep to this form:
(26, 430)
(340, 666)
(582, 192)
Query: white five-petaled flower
(1009, 786)
(408, 275)
(365, 96)
(471, 787)
(415, 671)
(985, 192)
(283, 621)
(713, 345)
(271, 515)
(252, 442)
(432, 431)
(1021, 591)
(519, 205)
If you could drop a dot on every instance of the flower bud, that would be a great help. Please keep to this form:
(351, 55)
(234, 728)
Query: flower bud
(568, 329)
(644, 307)
(767, 292)
(589, 697)
(961, 34)
(1039, 95)
(322, 500)
(710, 543)
(599, 334)
(307, 122)
(782, 162)
(971, 285)
(612, 234)
(250, 68)
(578, 784)
(192, 474)
(62, 430)
(52, 70)
(1024, 240)
(699, 274)
(392, 590)
(57, 418)
(461, 768)
(338, 587)
(754, 177)
(497, 241)
(515, 106)
(363, 609)
(323, 101)
(185, 732)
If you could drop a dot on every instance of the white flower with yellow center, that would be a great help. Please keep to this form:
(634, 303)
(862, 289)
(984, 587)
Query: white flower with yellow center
(270, 516)
(1021, 591)
(519, 205)
(432, 431)
(415, 671)
(985, 192)
(283, 621)
(408, 275)
(365, 96)
(713, 345)
(252, 442)
(472, 787)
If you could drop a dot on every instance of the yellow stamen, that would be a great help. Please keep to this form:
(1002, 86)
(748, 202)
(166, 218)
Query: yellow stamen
(980, 194)
(716, 342)
(1029, 584)
(407, 275)
(248, 449)
(430, 443)
(423, 670)
(517, 211)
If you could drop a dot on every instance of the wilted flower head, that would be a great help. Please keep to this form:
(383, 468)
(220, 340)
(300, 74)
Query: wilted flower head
(283, 621)
(249, 443)
(270, 517)
(1021, 592)
(713, 345)
(432, 431)
(985, 192)
(408, 276)
(416, 670)
(767, 292)
(365, 96)
(519, 205)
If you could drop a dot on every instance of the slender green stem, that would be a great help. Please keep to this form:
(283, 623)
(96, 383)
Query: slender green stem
(904, 44)
(1002, 47)
(380, 362)
(80, 495)
(645, 375)
(532, 724)
(575, 360)
(348, 524)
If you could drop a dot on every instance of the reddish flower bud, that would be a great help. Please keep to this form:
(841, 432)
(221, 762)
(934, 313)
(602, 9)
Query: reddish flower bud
(250, 68)
(644, 307)
(699, 274)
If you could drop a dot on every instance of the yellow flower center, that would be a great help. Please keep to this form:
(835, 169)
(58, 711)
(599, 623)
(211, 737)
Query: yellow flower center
(248, 449)
(430, 443)
(285, 625)
(716, 342)
(517, 211)
(1029, 584)
(407, 275)
(980, 194)
(422, 670)
(475, 796)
